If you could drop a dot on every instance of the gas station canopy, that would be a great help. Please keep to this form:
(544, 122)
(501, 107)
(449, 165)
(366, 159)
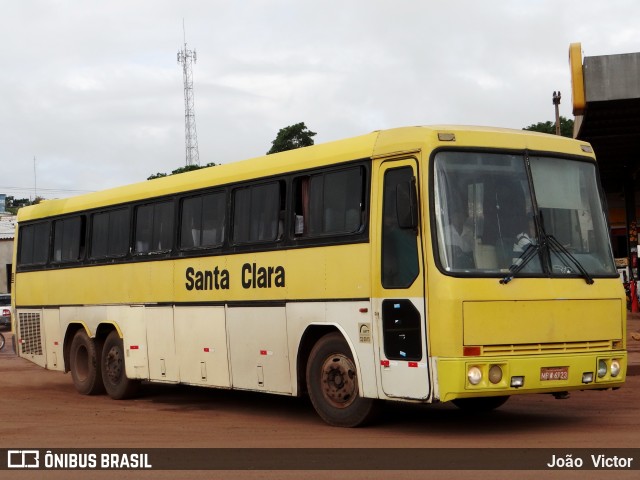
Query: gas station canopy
(606, 103)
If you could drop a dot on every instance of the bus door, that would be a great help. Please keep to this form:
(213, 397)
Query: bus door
(398, 290)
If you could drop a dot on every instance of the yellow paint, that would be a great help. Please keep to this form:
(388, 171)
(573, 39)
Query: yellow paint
(541, 321)
(577, 78)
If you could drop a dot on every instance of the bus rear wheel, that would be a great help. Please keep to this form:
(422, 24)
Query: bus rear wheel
(480, 404)
(84, 364)
(118, 386)
(332, 382)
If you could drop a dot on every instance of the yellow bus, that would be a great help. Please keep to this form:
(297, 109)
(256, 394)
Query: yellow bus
(419, 264)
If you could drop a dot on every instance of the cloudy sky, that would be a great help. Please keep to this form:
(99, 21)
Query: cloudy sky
(93, 91)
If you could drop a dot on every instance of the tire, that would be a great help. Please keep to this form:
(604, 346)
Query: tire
(118, 386)
(2, 341)
(84, 364)
(332, 383)
(480, 404)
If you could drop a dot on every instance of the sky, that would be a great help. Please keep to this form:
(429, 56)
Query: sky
(92, 97)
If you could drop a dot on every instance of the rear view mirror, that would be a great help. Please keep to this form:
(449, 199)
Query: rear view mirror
(407, 204)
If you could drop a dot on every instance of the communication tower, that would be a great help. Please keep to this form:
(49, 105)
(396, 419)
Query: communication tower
(187, 58)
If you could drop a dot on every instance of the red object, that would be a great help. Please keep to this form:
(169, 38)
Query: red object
(633, 295)
(471, 351)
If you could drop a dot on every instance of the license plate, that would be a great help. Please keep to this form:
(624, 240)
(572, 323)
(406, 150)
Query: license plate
(554, 373)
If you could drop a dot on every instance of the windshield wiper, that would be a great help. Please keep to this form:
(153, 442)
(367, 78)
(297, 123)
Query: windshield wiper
(525, 257)
(555, 246)
(558, 248)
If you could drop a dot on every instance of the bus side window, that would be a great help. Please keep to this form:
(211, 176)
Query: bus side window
(33, 244)
(202, 221)
(154, 227)
(69, 239)
(110, 234)
(257, 211)
(301, 206)
(329, 203)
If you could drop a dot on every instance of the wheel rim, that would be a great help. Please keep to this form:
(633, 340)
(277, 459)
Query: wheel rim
(339, 381)
(114, 364)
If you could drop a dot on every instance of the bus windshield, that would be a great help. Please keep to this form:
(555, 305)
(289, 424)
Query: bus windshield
(488, 222)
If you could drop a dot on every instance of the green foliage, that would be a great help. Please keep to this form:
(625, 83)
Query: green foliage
(291, 137)
(156, 175)
(566, 127)
(186, 168)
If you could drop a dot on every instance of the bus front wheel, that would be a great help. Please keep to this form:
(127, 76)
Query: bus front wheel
(332, 382)
(118, 386)
(84, 364)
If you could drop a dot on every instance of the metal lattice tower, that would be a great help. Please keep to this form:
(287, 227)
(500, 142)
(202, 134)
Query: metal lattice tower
(187, 57)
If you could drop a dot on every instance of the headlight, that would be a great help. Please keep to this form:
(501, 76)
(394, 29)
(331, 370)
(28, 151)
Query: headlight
(615, 368)
(474, 375)
(495, 374)
(602, 368)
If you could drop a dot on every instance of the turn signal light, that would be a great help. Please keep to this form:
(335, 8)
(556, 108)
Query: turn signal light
(471, 351)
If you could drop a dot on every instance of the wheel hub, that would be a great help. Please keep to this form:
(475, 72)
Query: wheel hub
(114, 365)
(339, 380)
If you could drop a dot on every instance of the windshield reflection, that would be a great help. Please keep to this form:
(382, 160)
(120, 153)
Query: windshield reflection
(488, 222)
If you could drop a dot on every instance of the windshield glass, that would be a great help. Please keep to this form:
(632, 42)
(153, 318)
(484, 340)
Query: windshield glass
(571, 212)
(485, 218)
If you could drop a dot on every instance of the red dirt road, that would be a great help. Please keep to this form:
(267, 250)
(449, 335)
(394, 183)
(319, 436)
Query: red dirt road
(42, 410)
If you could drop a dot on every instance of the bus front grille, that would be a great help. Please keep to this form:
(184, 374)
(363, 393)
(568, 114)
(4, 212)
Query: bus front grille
(542, 348)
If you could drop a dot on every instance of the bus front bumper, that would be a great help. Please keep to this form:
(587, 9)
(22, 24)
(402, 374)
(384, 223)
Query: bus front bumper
(468, 377)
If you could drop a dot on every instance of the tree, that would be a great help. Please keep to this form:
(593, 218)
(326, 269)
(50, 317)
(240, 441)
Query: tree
(291, 137)
(12, 204)
(186, 168)
(566, 127)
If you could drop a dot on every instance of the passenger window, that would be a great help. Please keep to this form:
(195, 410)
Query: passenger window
(110, 234)
(34, 244)
(68, 239)
(258, 213)
(154, 228)
(329, 203)
(203, 220)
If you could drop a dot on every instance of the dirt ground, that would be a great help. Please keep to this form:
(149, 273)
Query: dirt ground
(42, 410)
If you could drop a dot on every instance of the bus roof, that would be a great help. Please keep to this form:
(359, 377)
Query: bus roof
(377, 143)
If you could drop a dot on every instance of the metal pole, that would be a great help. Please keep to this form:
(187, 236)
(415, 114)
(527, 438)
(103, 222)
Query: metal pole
(35, 180)
(556, 102)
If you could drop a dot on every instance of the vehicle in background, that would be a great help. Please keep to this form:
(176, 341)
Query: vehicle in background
(5, 309)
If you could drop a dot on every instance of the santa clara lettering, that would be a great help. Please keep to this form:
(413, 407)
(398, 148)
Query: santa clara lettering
(252, 276)
(215, 279)
(262, 277)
